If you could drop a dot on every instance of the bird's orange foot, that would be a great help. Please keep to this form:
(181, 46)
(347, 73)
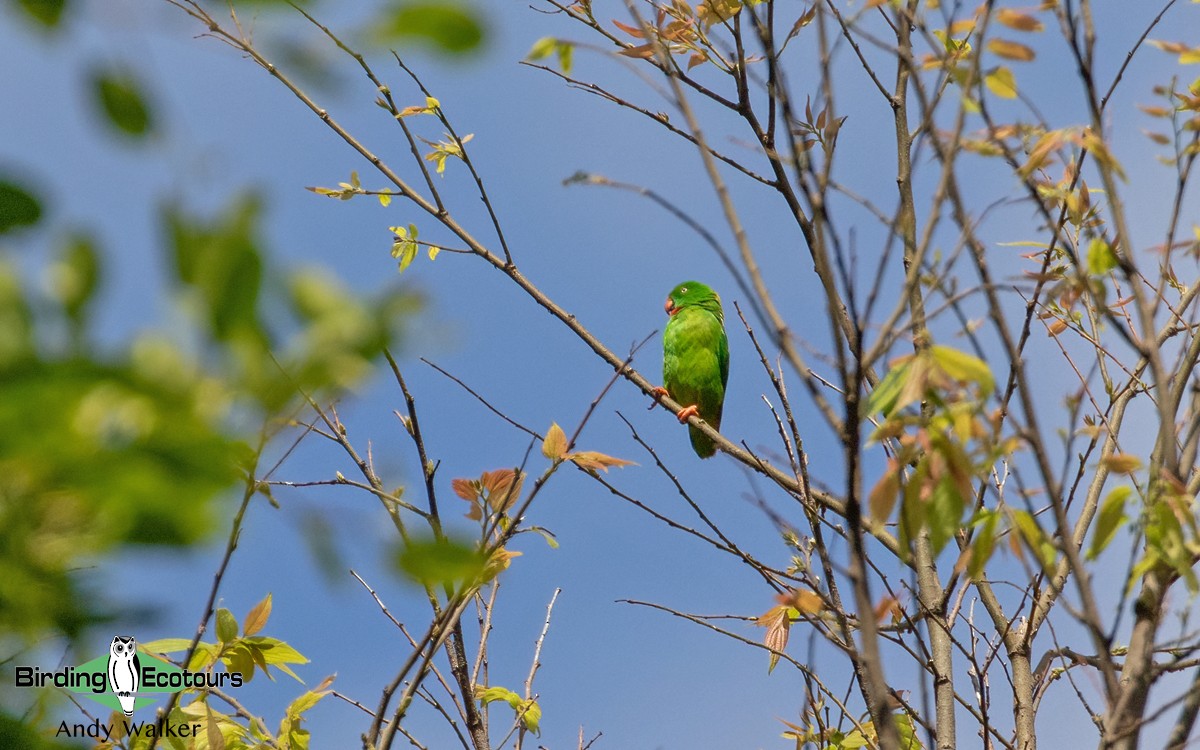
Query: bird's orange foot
(659, 392)
(687, 411)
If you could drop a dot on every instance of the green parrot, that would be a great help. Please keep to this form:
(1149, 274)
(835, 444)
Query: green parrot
(696, 358)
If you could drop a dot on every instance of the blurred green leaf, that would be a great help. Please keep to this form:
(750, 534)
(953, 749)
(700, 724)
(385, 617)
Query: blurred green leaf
(1035, 538)
(166, 645)
(73, 278)
(46, 12)
(1109, 520)
(441, 561)
(963, 367)
(15, 733)
(983, 543)
(343, 330)
(18, 207)
(137, 460)
(16, 317)
(883, 399)
(121, 99)
(944, 515)
(220, 259)
(450, 27)
(93, 454)
(1100, 256)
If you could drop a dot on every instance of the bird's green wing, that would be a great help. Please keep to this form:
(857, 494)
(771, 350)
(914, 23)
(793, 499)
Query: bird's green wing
(696, 368)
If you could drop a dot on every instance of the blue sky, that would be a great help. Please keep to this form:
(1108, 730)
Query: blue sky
(646, 680)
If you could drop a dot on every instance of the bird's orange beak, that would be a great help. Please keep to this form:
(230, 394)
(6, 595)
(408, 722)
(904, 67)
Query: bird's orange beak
(669, 307)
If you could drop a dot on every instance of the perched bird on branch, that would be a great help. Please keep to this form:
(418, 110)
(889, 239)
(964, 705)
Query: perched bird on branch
(696, 358)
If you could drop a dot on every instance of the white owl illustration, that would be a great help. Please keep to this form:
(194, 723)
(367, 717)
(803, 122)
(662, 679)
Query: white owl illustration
(124, 671)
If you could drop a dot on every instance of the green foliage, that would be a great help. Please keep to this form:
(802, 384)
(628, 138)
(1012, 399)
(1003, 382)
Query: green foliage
(547, 46)
(444, 149)
(18, 207)
(437, 561)
(96, 454)
(1035, 539)
(986, 522)
(942, 447)
(338, 333)
(863, 735)
(867, 737)
(134, 445)
(405, 246)
(119, 96)
(449, 27)
(47, 13)
(885, 398)
(1172, 537)
(1109, 520)
(291, 733)
(227, 626)
(18, 734)
(527, 711)
(74, 278)
(243, 654)
(221, 263)
(1100, 256)
(246, 655)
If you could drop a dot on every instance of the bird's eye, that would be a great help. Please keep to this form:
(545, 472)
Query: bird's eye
(683, 290)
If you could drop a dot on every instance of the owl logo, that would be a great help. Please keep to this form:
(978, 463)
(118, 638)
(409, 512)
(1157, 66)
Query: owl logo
(124, 671)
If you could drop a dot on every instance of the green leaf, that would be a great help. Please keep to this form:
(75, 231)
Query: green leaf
(964, 367)
(983, 543)
(1110, 518)
(106, 455)
(307, 700)
(909, 739)
(122, 101)
(74, 277)
(227, 626)
(491, 694)
(543, 47)
(46, 12)
(546, 534)
(883, 399)
(1100, 257)
(531, 715)
(220, 259)
(166, 645)
(441, 561)
(944, 516)
(240, 659)
(1036, 539)
(19, 732)
(1002, 83)
(18, 207)
(274, 652)
(450, 27)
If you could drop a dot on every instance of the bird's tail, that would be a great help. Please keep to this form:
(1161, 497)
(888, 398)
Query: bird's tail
(701, 443)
